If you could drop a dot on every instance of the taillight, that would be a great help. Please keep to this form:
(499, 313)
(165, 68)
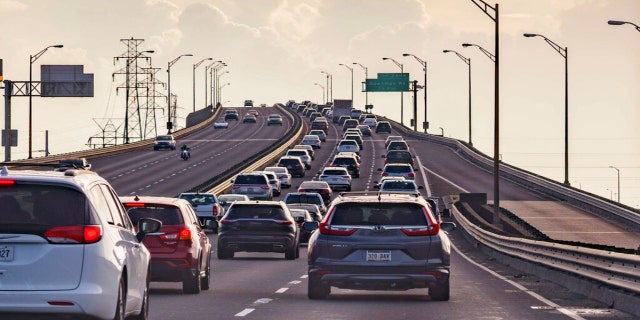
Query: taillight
(74, 234)
(325, 192)
(133, 204)
(215, 210)
(7, 183)
(227, 222)
(184, 234)
(284, 222)
(411, 174)
(384, 174)
(325, 228)
(422, 231)
(265, 187)
(302, 190)
(346, 177)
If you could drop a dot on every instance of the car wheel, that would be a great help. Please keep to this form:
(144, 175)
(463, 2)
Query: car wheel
(120, 303)
(193, 284)
(224, 254)
(144, 310)
(440, 292)
(290, 254)
(317, 290)
(349, 188)
(204, 281)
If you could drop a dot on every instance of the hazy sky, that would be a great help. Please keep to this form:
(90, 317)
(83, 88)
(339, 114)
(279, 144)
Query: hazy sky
(276, 50)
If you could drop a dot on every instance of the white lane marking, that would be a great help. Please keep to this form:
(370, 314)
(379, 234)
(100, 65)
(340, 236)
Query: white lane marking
(295, 282)
(304, 276)
(282, 290)
(262, 301)
(424, 176)
(521, 288)
(443, 178)
(244, 312)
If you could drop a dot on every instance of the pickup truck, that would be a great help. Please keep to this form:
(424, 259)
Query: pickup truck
(206, 205)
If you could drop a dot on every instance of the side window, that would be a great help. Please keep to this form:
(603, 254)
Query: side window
(191, 215)
(100, 202)
(114, 206)
(118, 208)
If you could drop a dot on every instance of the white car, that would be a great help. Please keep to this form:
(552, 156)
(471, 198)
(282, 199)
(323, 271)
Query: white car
(312, 140)
(307, 147)
(283, 174)
(348, 146)
(336, 177)
(220, 124)
(68, 246)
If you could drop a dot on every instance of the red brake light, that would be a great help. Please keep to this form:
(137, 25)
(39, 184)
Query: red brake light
(422, 231)
(335, 231)
(302, 190)
(133, 204)
(411, 174)
(385, 174)
(74, 234)
(284, 222)
(7, 183)
(185, 234)
(215, 210)
(325, 192)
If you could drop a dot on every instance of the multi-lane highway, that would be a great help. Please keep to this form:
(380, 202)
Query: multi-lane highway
(266, 286)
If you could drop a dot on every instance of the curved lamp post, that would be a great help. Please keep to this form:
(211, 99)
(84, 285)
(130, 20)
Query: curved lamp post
(564, 53)
(323, 96)
(350, 69)
(366, 75)
(172, 62)
(220, 90)
(468, 62)
(207, 96)
(329, 85)
(619, 23)
(612, 167)
(424, 67)
(195, 66)
(401, 93)
(32, 59)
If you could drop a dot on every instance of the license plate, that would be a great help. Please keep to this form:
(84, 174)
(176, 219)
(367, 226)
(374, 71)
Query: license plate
(6, 253)
(378, 255)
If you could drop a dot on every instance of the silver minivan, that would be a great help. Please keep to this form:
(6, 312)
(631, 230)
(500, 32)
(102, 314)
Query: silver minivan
(253, 185)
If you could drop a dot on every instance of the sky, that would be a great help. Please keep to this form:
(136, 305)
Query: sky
(277, 50)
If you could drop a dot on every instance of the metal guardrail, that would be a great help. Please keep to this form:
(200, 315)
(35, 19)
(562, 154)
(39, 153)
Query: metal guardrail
(617, 270)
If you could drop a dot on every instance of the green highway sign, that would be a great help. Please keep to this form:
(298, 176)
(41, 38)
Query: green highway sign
(387, 85)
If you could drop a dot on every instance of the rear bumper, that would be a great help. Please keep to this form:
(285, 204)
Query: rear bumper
(276, 243)
(395, 278)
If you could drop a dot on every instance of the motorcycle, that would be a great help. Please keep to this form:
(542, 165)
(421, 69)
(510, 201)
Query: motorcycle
(185, 155)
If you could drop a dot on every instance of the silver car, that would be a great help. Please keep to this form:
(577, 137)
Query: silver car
(381, 242)
(253, 185)
(68, 247)
(336, 177)
(283, 174)
(303, 154)
(398, 170)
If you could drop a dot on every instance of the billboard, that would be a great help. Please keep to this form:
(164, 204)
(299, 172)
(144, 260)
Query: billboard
(65, 81)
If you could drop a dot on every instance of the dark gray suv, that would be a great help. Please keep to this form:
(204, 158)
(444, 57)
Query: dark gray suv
(379, 242)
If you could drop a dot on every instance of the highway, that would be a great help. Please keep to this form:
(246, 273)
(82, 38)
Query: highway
(266, 286)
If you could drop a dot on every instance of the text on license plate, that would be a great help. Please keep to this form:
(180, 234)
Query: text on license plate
(378, 255)
(6, 253)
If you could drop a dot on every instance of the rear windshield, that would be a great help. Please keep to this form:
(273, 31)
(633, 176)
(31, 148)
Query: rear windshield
(244, 211)
(399, 185)
(41, 205)
(334, 172)
(398, 155)
(345, 160)
(398, 169)
(169, 215)
(199, 199)
(313, 198)
(367, 214)
(250, 179)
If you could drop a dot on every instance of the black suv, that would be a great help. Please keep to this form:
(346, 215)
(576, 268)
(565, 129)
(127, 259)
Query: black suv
(398, 156)
(258, 226)
(349, 162)
(383, 126)
(293, 164)
(379, 242)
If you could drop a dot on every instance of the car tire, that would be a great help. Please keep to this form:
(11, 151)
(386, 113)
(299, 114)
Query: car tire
(348, 188)
(204, 281)
(120, 302)
(440, 292)
(316, 290)
(193, 284)
(290, 254)
(224, 254)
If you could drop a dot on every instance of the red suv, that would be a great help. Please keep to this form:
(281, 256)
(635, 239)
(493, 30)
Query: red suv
(180, 250)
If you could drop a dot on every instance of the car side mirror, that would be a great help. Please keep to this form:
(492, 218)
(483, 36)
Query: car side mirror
(147, 225)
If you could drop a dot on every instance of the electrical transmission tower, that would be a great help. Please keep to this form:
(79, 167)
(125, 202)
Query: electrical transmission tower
(150, 125)
(136, 90)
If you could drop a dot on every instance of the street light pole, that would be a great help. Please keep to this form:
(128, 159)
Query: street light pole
(618, 170)
(218, 91)
(329, 85)
(350, 69)
(488, 10)
(401, 92)
(366, 75)
(172, 62)
(619, 23)
(424, 66)
(468, 62)
(565, 54)
(207, 96)
(32, 59)
(324, 100)
(194, 82)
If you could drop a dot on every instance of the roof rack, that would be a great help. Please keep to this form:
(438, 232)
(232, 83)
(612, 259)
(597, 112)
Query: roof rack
(380, 193)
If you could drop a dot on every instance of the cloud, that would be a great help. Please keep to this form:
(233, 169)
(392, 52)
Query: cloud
(7, 6)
